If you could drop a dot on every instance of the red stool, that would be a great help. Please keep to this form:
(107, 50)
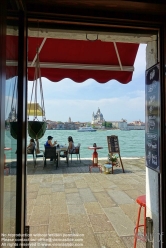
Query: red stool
(141, 200)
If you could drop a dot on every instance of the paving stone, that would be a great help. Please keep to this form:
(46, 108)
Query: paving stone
(87, 195)
(70, 185)
(93, 208)
(58, 188)
(32, 195)
(42, 200)
(100, 223)
(47, 179)
(71, 190)
(106, 184)
(119, 197)
(59, 224)
(58, 208)
(81, 184)
(46, 184)
(44, 191)
(41, 218)
(42, 229)
(79, 221)
(89, 240)
(30, 206)
(54, 182)
(57, 198)
(120, 221)
(83, 202)
(133, 193)
(96, 189)
(89, 178)
(129, 242)
(76, 209)
(125, 186)
(33, 187)
(73, 198)
(131, 210)
(104, 199)
(109, 239)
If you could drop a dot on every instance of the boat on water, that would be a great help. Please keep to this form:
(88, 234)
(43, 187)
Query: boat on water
(86, 129)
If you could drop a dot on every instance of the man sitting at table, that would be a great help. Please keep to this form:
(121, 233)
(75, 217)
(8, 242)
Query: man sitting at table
(50, 144)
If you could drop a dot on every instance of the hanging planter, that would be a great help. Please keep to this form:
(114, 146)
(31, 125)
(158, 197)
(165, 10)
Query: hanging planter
(36, 128)
(12, 119)
(13, 129)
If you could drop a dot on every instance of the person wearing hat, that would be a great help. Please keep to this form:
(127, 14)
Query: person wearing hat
(49, 142)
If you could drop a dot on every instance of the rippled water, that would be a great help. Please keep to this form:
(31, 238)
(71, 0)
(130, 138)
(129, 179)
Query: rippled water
(132, 143)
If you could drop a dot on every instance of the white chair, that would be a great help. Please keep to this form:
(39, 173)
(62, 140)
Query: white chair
(77, 152)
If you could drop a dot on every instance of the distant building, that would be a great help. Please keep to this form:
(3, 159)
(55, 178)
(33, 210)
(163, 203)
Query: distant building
(136, 125)
(60, 126)
(120, 124)
(97, 118)
(69, 119)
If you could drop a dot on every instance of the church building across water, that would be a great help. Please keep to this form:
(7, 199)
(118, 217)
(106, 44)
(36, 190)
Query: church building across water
(97, 118)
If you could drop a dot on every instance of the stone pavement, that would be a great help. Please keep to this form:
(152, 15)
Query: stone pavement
(96, 210)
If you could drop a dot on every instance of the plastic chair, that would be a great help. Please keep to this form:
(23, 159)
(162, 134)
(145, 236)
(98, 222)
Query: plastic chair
(77, 152)
(33, 154)
(141, 200)
(50, 152)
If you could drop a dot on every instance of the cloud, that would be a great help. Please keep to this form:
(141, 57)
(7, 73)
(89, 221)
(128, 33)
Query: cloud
(82, 110)
(79, 100)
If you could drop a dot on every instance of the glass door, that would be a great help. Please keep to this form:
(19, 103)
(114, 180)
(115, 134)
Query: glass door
(13, 95)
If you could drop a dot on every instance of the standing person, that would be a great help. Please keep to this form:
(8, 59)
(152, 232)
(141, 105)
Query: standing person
(31, 146)
(49, 142)
(71, 146)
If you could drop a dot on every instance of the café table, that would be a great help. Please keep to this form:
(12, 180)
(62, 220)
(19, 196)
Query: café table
(95, 158)
(60, 149)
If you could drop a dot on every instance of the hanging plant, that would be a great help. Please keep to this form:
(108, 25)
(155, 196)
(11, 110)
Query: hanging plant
(36, 128)
(12, 118)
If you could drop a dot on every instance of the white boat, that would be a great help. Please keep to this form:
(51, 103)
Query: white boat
(86, 129)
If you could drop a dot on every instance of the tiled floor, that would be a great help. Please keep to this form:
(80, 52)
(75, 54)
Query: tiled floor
(70, 207)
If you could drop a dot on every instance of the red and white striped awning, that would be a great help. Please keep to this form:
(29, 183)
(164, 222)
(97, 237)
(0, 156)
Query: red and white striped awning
(78, 60)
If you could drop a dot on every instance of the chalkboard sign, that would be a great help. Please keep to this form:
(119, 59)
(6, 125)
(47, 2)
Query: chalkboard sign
(113, 144)
(152, 134)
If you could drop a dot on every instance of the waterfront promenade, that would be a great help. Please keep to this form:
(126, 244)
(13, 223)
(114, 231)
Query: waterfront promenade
(98, 209)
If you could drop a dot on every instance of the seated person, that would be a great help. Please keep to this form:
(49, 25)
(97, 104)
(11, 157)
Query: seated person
(71, 146)
(49, 142)
(31, 146)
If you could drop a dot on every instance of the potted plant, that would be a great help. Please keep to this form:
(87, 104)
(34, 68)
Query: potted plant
(113, 159)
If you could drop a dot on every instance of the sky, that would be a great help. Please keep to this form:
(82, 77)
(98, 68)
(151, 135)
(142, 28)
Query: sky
(78, 101)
